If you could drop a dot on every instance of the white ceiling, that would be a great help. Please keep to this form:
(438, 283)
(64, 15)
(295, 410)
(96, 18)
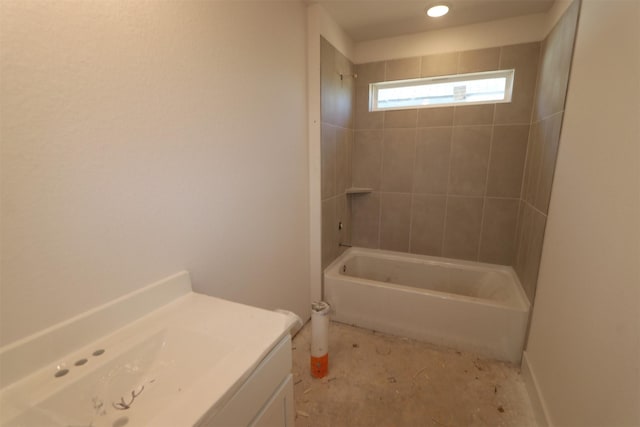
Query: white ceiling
(374, 19)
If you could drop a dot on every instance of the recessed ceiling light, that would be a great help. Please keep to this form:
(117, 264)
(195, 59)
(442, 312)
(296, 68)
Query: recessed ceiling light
(438, 10)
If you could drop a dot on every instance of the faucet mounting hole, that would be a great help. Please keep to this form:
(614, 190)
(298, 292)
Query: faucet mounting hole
(61, 373)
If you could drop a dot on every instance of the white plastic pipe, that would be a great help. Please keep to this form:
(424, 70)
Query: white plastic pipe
(320, 339)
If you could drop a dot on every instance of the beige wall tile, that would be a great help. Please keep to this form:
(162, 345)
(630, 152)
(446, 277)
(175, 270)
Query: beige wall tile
(329, 82)
(427, 224)
(453, 153)
(433, 153)
(400, 119)
(555, 63)
(372, 72)
(462, 227)
(529, 238)
(498, 231)
(472, 61)
(328, 160)
(533, 162)
(564, 54)
(343, 215)
(469, 160)
(518, 111)
(364, 119)
(345, 92)
(534, 252)
(400, 69)
(395, 217)
(398, 159)
(523, 231)
(548, 161)
(443, 64)
(508, 151)
(547, 83)
(366, 160)
(524, 59)
(337, 116)
(344, 142)
(329, 231)
(365, 220)
(556, 52)
(439, 116)
(473, 115)
(336, 95)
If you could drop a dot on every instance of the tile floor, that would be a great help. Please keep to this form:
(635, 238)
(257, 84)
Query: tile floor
(381, 380)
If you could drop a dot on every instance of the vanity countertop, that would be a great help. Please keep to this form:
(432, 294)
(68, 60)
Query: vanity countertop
(179, 360)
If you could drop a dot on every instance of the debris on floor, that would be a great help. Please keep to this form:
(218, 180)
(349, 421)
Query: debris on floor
(431, 386)
(419, 372)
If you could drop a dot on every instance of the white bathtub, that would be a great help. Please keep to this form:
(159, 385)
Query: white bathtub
(465, 305)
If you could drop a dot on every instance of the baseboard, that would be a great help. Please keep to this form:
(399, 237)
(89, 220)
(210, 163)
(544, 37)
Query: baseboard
(537, 402)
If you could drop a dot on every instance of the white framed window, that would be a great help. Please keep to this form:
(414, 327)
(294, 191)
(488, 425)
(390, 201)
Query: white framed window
(487, 87)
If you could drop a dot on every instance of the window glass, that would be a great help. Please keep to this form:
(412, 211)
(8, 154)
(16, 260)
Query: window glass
(475, 88)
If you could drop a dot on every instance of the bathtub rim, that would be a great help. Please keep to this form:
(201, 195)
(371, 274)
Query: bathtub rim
(333, 271)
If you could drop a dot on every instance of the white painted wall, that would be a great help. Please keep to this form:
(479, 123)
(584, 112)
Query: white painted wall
(503, 32)
(522, 29)
(143, 138)
(584, 345)
(319, 24)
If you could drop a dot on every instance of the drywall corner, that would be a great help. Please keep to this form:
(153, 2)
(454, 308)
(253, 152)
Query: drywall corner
(535, 397)
(319, 24)
(328, 28)
(555, 13)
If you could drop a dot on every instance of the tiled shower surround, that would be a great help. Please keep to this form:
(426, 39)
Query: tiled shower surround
(337, 117)
(446, 180)
(555, 64)
(467, 182)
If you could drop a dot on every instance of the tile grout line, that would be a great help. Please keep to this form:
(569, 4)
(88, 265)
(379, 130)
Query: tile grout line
(413, 170)
(447, 193)
(335, 160)
(486, 187)
(543, 148)
(451, 195)
(535, 208)
(386, 66)
(486, 178)
(532, 122)
(516, 238)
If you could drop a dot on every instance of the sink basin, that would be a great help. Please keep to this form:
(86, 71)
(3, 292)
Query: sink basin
(127, 383)
(170, 367)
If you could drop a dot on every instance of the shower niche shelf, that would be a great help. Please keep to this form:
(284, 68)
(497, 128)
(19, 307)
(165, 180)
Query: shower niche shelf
(358, 190)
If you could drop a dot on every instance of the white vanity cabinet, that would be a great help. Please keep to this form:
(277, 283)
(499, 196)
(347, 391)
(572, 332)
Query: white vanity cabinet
(265, 399)
(161, 356)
